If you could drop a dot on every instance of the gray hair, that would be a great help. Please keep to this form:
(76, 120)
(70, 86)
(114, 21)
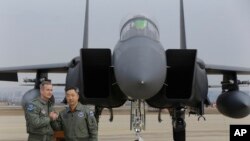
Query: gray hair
(45, 83)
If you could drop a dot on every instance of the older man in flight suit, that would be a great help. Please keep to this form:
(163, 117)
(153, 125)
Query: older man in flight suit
(77, 121)
(39, 113)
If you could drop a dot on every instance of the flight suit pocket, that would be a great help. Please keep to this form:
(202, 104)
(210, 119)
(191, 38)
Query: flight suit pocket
(82, 132)
(82, 129)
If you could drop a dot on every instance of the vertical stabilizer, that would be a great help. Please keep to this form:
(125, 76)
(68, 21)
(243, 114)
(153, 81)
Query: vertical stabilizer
(86, 26)
(182, 27)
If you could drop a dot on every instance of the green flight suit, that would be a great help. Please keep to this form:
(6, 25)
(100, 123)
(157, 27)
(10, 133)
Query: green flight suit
(79, 125)
(38, 122)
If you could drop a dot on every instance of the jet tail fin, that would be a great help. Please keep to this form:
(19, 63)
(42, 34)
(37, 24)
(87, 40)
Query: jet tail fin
(182, 27)
(86, 26)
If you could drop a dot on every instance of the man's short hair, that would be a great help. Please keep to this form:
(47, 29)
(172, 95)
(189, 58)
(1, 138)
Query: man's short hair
(45, 83)
(72, 88)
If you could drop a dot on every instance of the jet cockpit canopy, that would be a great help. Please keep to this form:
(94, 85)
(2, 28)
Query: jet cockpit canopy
(138, 25)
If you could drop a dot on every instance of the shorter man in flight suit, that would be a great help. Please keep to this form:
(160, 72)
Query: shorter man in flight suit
(77, 121)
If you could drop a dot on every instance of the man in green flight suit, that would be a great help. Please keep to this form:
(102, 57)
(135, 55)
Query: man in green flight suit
(39, 113)
(77, 121)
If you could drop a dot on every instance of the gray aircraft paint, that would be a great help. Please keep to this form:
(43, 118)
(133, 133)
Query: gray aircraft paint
(139, 60)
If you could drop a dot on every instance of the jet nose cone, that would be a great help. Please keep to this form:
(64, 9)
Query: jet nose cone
(140, 70)
(137, 88)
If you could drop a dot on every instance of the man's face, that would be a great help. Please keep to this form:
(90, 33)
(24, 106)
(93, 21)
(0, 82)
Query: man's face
(72, 97)
(46, 92)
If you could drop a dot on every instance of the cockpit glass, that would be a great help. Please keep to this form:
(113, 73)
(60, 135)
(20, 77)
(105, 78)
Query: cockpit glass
(140, 24)
(139, 27)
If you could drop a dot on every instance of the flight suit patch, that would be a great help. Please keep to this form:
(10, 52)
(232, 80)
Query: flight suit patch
(80, 114)
(30, 107)
(91, 113)
(43, 111)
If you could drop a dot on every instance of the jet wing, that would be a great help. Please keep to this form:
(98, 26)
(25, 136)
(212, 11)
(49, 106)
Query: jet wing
(10, 73)
(221, 69)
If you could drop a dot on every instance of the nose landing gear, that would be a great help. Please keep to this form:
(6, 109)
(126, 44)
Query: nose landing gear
(137, 118)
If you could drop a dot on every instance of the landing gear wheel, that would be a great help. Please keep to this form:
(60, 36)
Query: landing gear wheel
(179, 124)
(179, 135)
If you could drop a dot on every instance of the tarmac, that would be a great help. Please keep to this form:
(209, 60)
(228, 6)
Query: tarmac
(215, 128)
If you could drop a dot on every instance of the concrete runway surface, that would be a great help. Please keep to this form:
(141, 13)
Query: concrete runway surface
(215, 128)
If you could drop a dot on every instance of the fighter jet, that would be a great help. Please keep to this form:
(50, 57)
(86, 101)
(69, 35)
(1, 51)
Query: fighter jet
(142, 71)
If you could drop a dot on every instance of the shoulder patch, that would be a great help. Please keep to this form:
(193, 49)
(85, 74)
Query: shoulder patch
(91, 113)
(30, 107)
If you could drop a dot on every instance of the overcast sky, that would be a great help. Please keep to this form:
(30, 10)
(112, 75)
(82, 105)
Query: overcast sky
(51, 31)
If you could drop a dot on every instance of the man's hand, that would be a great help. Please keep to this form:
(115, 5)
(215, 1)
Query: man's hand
(53, 115)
